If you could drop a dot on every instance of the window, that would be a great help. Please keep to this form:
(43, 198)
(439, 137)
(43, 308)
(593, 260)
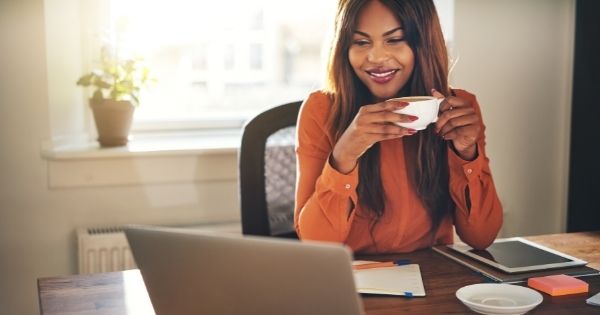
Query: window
(218, 63)
(222, 60)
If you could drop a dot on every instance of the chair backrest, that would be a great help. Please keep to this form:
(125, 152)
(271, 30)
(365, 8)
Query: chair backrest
(267, 172)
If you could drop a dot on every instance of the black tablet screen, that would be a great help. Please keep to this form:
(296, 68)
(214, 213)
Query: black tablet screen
(515, 254)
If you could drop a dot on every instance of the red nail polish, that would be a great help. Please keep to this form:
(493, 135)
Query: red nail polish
(413, 118)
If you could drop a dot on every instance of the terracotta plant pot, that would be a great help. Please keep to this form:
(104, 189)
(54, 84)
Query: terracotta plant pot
(113, 121)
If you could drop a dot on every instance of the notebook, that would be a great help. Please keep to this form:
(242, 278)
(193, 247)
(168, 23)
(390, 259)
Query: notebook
(189, 272)
(496, 275)
(404, 280)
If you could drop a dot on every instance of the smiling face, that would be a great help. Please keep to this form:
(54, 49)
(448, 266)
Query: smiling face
(379, 54)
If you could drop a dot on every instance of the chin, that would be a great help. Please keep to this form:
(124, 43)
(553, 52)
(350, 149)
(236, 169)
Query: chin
(382, 92)
(384, 95)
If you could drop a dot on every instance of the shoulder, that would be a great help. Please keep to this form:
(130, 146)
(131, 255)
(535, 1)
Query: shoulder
(313, 123)
(316, 107)
(317, 102)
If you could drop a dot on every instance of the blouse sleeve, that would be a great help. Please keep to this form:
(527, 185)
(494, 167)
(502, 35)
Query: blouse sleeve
(478, 214)
(323, 194)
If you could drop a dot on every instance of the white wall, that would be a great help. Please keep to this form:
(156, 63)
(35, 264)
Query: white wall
(23, 195)
(512, 52)
(516, 56)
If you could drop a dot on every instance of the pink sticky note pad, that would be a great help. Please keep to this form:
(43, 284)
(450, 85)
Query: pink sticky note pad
(558, 285)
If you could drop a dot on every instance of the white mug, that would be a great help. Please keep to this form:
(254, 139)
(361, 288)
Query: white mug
(425, 108)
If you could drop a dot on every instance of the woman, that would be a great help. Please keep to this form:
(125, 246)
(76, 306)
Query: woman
(369, 183)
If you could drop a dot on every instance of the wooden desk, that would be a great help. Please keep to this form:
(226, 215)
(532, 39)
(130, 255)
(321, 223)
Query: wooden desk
(125, 293)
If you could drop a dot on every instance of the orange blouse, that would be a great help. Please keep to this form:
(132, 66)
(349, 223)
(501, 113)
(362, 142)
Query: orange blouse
(322, 194)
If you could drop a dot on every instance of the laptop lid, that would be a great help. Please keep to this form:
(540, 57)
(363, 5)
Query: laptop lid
(189, 272)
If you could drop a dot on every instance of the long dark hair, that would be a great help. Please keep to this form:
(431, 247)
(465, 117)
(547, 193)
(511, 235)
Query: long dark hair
(428, 152)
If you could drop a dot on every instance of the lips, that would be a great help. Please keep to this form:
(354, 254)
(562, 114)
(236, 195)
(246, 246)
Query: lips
(382, 76)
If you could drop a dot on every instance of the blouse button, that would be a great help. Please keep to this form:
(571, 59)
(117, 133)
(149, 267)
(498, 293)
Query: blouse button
(347, 186)
(469, 171)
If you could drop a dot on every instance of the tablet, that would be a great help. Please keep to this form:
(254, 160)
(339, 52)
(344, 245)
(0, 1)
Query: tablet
(515, 254)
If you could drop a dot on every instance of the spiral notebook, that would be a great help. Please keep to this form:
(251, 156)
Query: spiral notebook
(404, 280)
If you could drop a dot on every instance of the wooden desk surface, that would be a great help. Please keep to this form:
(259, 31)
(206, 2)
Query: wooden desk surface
(125, 293)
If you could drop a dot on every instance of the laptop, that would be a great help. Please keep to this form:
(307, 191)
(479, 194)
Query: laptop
(192, 272)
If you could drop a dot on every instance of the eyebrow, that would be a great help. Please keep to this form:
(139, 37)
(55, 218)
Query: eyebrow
(384, 34)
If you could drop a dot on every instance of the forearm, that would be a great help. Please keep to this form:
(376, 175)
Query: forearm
(480, 225)
(341, 161)
(326, 211)
(478, 214)
(325, 217)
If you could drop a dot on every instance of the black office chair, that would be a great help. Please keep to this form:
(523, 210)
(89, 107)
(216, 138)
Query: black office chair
(267, 166)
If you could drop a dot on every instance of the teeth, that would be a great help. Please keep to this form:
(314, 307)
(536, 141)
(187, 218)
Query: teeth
(382, 74)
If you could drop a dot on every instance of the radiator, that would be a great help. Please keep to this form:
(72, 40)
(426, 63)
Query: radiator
(103, 250)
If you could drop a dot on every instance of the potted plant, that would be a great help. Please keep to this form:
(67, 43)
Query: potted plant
(118, 83)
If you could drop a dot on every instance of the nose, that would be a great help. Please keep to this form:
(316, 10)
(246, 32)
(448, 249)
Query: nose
(377, 54)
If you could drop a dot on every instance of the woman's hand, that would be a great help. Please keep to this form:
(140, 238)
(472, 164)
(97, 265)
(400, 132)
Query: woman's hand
(372, 124)
(459, 123)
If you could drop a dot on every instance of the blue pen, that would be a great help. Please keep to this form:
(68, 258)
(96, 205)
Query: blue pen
(401, 262)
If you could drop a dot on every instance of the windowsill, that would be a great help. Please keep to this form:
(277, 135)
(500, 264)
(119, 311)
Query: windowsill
(148, 144)
(182, 157)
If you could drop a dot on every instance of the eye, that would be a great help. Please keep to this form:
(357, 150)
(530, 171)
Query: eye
(395, 40)
(360, 42)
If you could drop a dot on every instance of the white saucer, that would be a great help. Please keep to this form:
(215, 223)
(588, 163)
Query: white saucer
(498, 298)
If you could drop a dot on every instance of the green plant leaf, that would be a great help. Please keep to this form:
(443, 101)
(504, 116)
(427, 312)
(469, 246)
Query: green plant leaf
(102, 84)
(118, 79)
(85, 80)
